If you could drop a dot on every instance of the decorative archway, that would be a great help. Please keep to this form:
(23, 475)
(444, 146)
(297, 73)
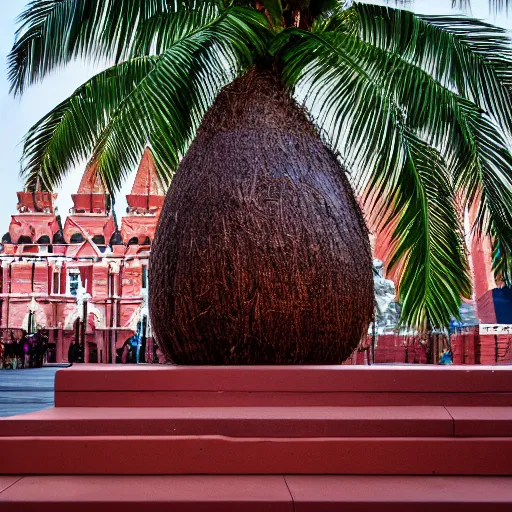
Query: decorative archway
(99, 321)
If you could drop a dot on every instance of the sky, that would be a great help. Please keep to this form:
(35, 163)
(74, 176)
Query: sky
(17, 115)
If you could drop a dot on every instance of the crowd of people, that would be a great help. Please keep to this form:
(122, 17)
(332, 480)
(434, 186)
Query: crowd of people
(25, 351)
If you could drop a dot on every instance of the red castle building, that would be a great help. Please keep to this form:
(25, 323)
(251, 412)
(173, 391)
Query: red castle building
(87, 281)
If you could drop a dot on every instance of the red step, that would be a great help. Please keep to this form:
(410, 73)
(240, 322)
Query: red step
(234, 422)
(147, 494)
(267, 421)
(405, 421)
(257, 386)
(255, 493)
(400, 494)
(481, 421)
(220, 455)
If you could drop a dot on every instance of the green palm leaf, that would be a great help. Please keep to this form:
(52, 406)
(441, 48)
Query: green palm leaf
(467, 55)
(359, 110)
(150, 99)
(66, 135)
(54, 32)
(428, 243)
(475, 148)
(167, 106)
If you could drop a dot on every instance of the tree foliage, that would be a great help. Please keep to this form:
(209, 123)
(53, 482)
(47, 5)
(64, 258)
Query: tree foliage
(417, 107)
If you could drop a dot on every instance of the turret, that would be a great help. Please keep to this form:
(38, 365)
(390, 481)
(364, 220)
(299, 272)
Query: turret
(144, 204)
(90, 217)
(35, 222)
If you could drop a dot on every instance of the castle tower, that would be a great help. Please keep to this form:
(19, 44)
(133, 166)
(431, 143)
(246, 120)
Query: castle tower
(90, 216)
(144, 204)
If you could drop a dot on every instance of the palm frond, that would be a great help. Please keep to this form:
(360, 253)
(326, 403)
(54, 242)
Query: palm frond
(167, 106)
(471, 57)
(477, 153)
(427, 242)
(54, 32)
(486, 179)
(365, 122)
(66, 135)
(436, 105)
(149, 99)
(157, 32)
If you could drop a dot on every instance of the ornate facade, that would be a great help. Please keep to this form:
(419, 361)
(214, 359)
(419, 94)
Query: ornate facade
(86, 281)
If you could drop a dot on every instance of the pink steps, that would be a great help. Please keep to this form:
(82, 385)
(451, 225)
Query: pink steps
(219, 455)
(237, 431)
(259, 386)
(391, 421)
(241, 422)
(255, 494)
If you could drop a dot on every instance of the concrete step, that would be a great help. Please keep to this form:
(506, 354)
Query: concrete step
(404, 421)
(267, 420)
(307, 493)
(256, 386)
(290, 422)
(222, 455)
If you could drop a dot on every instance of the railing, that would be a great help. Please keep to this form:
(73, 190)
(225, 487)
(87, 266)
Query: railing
(499, 337)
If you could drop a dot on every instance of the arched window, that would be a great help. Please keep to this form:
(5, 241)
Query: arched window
(56, 281)
(44, 240)
(23, 239)
(58, 238)
(112, 284)
(31, 322)
(144, 283)
(116, 238)
(76, 238)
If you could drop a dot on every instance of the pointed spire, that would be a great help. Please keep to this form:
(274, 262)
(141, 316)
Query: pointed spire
(92, 183)
(147, 182)
(92, 196)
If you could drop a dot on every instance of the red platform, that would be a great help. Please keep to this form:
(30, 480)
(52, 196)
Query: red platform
(244, 432)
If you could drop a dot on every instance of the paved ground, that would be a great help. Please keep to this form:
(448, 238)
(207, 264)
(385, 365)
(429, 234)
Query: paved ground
(27, 390)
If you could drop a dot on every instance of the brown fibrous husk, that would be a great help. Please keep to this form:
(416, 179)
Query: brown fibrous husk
(261, 254)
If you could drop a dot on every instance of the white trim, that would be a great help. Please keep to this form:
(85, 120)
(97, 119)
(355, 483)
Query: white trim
(495, 328)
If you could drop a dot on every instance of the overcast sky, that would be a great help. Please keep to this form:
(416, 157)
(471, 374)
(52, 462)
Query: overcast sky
(17, 115)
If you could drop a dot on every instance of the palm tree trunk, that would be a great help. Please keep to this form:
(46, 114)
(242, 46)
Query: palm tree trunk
(261, 255)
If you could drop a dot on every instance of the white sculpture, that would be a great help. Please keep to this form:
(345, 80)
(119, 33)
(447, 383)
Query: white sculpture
(385, 295)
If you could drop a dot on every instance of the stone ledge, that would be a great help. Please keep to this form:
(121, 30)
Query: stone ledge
(260, 386)
(319, 421)
(255, 493)
(319, 379)
(219, 455)
(241, 422)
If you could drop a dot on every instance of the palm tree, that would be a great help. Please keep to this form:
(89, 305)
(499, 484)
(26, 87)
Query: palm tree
(263, 116)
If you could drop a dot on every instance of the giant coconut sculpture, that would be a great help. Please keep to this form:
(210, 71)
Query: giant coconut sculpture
(261, 255)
